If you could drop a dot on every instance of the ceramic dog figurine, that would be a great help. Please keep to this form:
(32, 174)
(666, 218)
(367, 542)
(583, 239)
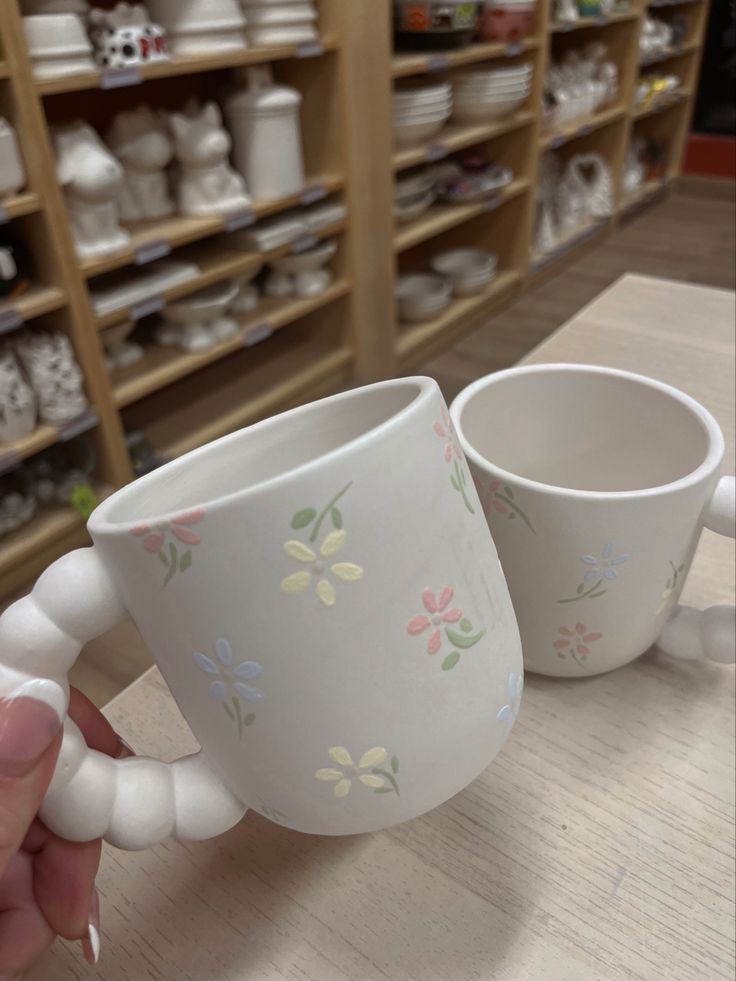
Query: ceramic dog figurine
(91, 178)
(140, 140)
(207, 184)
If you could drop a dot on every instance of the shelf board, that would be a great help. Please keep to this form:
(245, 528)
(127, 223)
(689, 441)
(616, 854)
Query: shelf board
(581, 128)
(659, 105)
(670, 3)
(48, 526)
(4, 69)
(441, 217)
(279, 374)
(36, 301)
(162, 366)
(642, 195)
(216, 263)
(568, 243)
(40, 439)
(414, 336)
(412, 63)
(456, 137)
(16, 205)
(603, 20)
(184, 66)
(674, 51)
(179, 230)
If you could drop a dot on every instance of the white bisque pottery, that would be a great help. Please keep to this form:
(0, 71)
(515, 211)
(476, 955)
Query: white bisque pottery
(596, 485)
(58, 45)
(200, 27)
(324, 599)
(267, 145)
(140, 140)
(49, 362)
(90, 177)
(17, 401)
(12, 170)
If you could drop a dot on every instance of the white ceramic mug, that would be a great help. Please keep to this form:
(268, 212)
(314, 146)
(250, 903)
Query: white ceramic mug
(324, 600)
(596, 485)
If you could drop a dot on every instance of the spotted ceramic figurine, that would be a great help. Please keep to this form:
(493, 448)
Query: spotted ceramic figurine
(125, 36)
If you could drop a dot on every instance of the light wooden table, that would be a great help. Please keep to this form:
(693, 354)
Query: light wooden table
(599, 845)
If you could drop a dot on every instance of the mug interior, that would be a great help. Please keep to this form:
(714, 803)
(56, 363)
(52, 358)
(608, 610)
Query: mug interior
(261, 453)
(587, 429)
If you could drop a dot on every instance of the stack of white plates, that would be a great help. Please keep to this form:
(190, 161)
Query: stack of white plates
(280, 22)
(489, 94)
(467, 270)
(422, 296)
(414, 195)
(420, 112)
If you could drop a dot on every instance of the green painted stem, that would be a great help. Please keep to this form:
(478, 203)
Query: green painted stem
(236, 703)
(517, 510)
(461, 487)
(574, 599)
(390, 777)
(173, 566)
(330, 506)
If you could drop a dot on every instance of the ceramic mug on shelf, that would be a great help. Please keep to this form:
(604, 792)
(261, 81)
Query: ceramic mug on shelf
(596, 484)
(322, 596)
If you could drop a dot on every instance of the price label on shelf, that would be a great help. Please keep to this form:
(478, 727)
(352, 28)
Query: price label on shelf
(310, 195)
(76, 427)
(254, 335)
(304, 244)
(557, 141)
(436, 152)
(10, 319)
(120, 78)
(152, 251)
(146, 307)
(8, 461)
(514, 48)
(437, 63)
(584, 130)
(240, 219)
(310, 49)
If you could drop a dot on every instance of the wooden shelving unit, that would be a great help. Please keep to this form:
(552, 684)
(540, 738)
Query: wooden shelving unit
(292, 350)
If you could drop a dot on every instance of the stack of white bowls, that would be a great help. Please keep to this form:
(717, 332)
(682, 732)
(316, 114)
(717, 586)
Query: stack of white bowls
(491, 93)
(422, 296)
(420, 112)
(200, 27)
(414, 195)
(280, 22)
(468, 271)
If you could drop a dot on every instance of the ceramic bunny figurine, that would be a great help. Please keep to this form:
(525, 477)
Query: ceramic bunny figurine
(140, 140)
(91, 177)
(207, 183)
(17, 402)
(54, 373)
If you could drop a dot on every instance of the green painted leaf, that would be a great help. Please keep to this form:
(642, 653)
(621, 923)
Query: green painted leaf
(164, 558)
(580, 588)
(681, 567)
(454, 482)
(450, 661)
(249, 719)
(229, 711)
(303, 518)
(669, 583)
(602, 592)
(512, 515)
(336, 515)
(395, 764)
(465, 625)
(463, 641)
(383, 790)
(463, 479)
(508, 492)
(185, 561)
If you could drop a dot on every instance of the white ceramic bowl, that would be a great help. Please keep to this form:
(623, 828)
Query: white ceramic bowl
(415, 185)
(442, 103)
(405, 212)
(514, 71)
(422, 296)
(463, 263)
(51, 36)
(422, 93)
(262, 37)
(280, 16)
(409, 134)
(468, 112)
(203, 306)
(197, 16)
(409, 118)
(307, 261)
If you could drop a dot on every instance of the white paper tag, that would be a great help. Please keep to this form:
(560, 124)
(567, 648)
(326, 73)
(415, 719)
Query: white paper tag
(8, 461)
(78, 426)
(240, 219)
(558, 141)
(304, 244)
(436, 152)
(309, 49)
(120, 78)
(10, 320)
(254, 335)
(514, 48)
(146, 307)
(310, 195)
(437, 63)
(151, 252)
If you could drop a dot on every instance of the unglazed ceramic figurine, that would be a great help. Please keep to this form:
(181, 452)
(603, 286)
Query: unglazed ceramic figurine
(141, 141)
(207, 184)
(125, 36)
(91, 178)
(198, 321)
(252, 567)
(17, 401)
(119, 351)
(54, 374)
(597, 506)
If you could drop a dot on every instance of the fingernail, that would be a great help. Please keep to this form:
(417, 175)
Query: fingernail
(91, 943)
(30, 718)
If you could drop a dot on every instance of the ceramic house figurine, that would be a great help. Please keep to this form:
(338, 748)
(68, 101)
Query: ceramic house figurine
(140, 140)
(17, 401)
(119, 351)
(12, 171)
(91, 178)
(54, 374)
(125, 36)
(207, 184)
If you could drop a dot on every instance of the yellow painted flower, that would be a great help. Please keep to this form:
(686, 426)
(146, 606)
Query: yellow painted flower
(348, 771)
(297, 582)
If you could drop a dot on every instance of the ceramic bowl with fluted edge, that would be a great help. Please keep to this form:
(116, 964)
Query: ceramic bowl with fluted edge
(203, 306)
(422, 296)
(307, 261)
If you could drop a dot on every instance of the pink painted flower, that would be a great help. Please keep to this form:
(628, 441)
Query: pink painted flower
(156, 541)
(179, 527)
(436, 607)
(575, 642)
(446, 431)
(490, 500)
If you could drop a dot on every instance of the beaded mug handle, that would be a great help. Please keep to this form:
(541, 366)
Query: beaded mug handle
(132, 803)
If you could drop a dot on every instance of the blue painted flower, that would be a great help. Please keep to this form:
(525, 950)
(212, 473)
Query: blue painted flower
(605, 566)
(508, 713)
(230, 679)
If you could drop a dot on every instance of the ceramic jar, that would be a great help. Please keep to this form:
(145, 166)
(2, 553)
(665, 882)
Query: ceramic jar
(263, 119)
(12, 171)
(58, 45)
(198, 27)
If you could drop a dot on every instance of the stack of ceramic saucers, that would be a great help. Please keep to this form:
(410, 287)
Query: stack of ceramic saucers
(468, 271)
(414, 195)
(280, 21)
(422, 296)
(491, 93)
(420, 112)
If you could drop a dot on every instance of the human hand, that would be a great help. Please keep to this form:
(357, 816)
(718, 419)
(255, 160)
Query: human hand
(46, 883)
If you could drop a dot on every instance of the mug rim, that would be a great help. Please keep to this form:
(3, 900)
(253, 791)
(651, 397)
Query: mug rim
(710, 463)
(99, 524)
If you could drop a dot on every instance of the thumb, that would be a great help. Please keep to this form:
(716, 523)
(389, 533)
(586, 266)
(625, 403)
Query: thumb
(30, 727)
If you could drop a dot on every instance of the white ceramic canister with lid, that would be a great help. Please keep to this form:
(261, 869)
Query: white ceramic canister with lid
(264, 123)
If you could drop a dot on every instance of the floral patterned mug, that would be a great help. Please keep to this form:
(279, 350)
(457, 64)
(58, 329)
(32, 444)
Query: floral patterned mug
(596, 485)
(322, 596)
